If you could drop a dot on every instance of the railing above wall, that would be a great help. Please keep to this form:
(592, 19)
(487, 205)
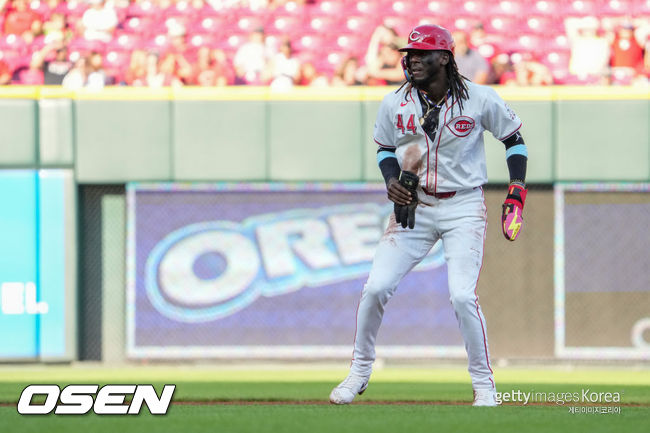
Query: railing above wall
(299, 93)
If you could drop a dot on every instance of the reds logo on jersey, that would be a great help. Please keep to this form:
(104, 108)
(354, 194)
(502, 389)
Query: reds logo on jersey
(461, 126)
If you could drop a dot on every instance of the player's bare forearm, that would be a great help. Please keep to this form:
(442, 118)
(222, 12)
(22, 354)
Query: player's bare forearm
(397, 193)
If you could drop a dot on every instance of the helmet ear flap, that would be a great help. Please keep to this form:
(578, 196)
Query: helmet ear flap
(406, 67)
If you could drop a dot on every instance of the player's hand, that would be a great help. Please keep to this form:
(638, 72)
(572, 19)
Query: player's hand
(406, 198)
(397, 193)
(513, 207)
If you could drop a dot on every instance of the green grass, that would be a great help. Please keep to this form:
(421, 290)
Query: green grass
(317, 419)
(415, 385)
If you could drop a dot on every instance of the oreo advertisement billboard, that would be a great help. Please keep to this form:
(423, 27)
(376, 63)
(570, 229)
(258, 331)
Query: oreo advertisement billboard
(271, 270)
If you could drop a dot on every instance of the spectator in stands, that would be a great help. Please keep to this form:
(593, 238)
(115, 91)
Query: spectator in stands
(501, 71)
(154, 77)
(310, 76)
(32, 75)
(627, 54)
(176, 70)
(590, 52)
(5, 73)
(212, 68)
(487, 45)
(387, 68)
(644, 76)
(530, 72)
(470, 63)
(96, 78)
(348, 73)
(56, 28)
(22, 21)
(478, 36)
(284, 67)
(177, 37)
(251, 59)
(98, 21)
(76, 78)
(136, 73)
(54, 68)
(383, 58)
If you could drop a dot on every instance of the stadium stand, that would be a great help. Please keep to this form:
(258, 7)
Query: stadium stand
(324, 33)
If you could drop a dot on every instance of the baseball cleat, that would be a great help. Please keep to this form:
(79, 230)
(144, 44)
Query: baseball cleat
(345, 392)
(485, 397)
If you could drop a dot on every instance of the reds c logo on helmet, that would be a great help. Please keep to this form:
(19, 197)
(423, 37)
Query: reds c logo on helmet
(430, 37)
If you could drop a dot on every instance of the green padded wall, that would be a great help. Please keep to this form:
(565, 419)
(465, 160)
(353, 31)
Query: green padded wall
(18, 123)
(371, 172)
(118, 141)
(602, 140)
(56, 141)
(266, 139)
(537, 131)
(223, 140)
(315, 141)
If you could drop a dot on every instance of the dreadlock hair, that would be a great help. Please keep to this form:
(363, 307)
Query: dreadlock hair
(455, 82)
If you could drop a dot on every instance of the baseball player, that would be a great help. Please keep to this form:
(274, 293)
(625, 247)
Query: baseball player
(431, 154)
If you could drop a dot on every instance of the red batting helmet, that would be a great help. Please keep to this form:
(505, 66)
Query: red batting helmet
(430, 37)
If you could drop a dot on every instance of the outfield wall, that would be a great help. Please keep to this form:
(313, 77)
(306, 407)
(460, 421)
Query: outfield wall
(106, 140)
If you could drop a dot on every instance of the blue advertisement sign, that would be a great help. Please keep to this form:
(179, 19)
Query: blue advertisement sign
(32, 270)
(265, 270)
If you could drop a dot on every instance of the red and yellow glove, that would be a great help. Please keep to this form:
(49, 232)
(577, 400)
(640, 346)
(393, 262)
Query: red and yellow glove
(513, 207)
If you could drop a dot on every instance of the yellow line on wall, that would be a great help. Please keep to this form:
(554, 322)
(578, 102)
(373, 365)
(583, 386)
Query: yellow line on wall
(359, 93)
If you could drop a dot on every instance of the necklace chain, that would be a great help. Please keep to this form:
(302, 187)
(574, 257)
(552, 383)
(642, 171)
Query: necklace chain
(430, 107)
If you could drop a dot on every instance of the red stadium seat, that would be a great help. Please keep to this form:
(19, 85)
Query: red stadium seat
(407, 8)
(475, 7)
(556, 60)
(14, 59)
(361, 24)
(581, 8)
(140, 25)
(545, 25)
(329, 8)
(40, 7)
(285, 25)
(207, 24)
(545, 7)
(143, 9)
(402, 25)
(311, 43)
(352, 43)
(202, 40)
(124, 42)
(246, 23)
(502, 24)
(72, 8)
(83, 46)
(12, 43)
(291, 8)
(323, 24)
(508, 7)
(616, 8)
(117, 59)
(440, 8)
(158, 43)
(181, 8)
(641, 8)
